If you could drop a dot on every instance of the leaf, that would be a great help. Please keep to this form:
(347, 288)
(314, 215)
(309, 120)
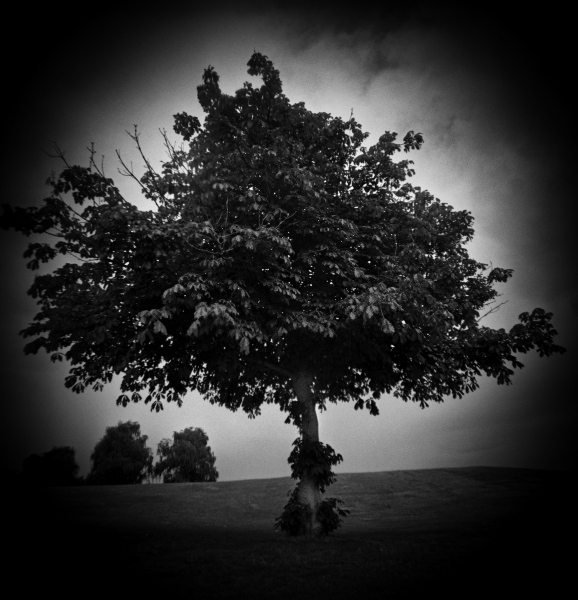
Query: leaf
(387, 327)
(159, 328)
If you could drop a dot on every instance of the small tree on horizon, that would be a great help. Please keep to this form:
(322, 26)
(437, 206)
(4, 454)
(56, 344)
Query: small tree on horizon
(186, 458)
(121, 456)
(285, 263)
(57, 467)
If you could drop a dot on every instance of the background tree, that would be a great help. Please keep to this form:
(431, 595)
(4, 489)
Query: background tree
(121, 456)
(285, 263)
(186, 458)
(53, 468)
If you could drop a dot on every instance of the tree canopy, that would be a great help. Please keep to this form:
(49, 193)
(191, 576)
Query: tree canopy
(186, 458)
(283, 260)
(56, 467)
(121, 456)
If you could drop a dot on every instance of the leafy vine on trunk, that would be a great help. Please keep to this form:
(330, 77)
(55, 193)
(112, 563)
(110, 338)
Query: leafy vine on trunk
(312, 459)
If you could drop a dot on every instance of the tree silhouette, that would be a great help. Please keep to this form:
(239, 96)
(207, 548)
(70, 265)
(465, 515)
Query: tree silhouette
(186, 458)
(53, 468)
(285, 263)
(121, 456)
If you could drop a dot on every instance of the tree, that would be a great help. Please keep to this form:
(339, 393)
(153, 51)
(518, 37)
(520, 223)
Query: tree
(121, 456)
(56, 467)
(186, 458)
(285, 263)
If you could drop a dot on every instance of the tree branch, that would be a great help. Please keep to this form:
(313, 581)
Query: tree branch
(273, 367)
(492, 310)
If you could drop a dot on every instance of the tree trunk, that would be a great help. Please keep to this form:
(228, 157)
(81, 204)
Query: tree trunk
(308, 489)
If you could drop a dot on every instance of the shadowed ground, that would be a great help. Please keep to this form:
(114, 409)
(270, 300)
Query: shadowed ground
(449, 531)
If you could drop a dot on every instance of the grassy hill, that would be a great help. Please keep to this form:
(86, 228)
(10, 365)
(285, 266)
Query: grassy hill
(454, 532)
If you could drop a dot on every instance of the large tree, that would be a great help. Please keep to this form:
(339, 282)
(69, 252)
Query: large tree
(121, 456)
(186, 457)
(285, 263)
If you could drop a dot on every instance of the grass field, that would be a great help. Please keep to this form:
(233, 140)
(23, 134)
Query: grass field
(455, 532)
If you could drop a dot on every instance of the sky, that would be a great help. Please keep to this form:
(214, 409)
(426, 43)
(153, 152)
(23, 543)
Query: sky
(490, 92)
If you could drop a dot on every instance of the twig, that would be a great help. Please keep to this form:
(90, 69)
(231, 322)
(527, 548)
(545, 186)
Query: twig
(492, 310)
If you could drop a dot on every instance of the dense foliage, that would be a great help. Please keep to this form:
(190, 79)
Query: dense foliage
(284, 260)
(121, 456)
(186, 457)
(56, 467)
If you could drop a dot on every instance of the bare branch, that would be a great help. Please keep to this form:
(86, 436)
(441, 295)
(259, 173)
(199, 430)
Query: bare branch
(203, 249)
(492, 310)
(129, 172)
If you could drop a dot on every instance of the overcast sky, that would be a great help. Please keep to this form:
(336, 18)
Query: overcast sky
(490, 91)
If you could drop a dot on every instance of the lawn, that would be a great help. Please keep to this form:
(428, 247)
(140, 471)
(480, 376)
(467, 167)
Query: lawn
(454, 532)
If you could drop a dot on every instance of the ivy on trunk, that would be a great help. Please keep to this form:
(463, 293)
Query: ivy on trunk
(311, 462)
